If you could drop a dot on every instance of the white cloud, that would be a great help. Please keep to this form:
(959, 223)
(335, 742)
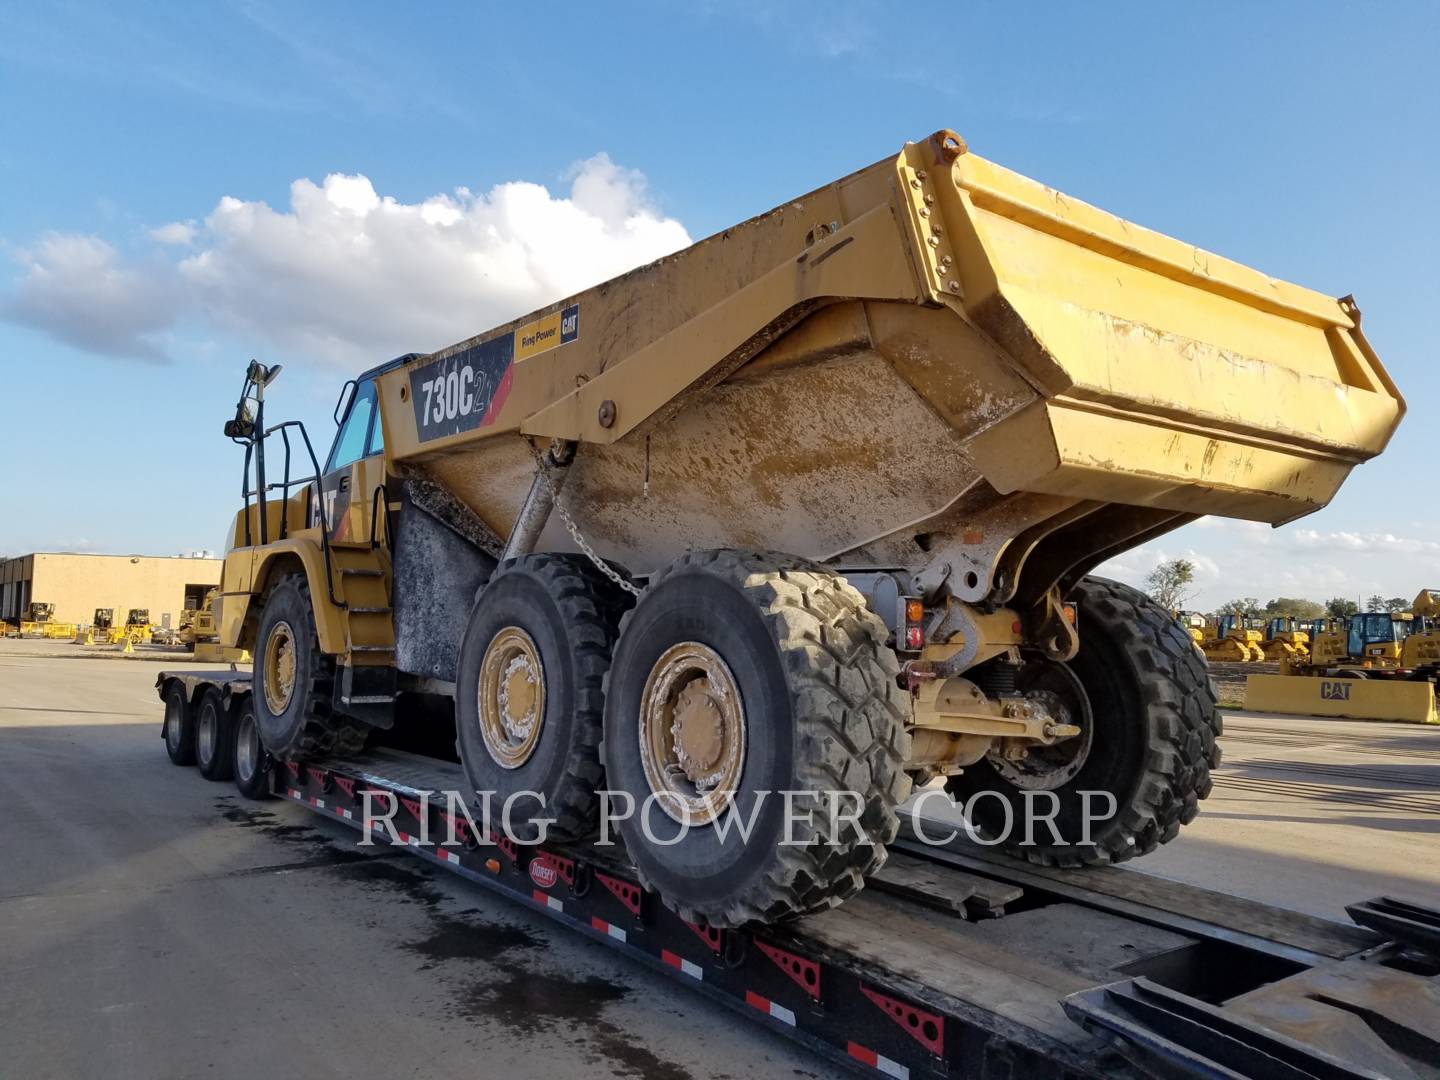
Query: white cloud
(178, 233)
(1371, 542)
(80, 291)
(1237, 558)
(348, 276)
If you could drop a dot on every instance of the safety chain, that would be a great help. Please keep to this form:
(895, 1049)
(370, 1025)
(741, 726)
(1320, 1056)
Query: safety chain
(600, 564)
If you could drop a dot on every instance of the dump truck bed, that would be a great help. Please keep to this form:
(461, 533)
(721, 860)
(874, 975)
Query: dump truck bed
(929, 348)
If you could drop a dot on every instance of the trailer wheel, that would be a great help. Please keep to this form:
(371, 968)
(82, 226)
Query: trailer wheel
(1155, 723)
(739, 677)
(214, 732)
(529, 691)
(294, 680)
(252, 762)
(179, 728)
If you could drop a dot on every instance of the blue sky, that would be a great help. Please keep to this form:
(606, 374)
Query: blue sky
(1297, 138)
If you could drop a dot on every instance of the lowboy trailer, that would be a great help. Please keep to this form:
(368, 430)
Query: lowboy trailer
(957, 961)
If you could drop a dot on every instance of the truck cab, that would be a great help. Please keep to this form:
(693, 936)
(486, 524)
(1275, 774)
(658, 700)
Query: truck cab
(1375, 637)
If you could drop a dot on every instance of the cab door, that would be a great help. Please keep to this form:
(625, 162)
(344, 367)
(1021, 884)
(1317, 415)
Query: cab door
(353, 470)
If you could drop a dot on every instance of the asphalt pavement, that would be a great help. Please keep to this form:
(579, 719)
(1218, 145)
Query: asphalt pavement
(155, 924)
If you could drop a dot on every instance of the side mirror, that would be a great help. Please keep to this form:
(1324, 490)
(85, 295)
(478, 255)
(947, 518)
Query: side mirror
(243, 426)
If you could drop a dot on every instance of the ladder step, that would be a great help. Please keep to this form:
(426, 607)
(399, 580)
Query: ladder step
(360, 571)
(371, 610)
(372, 648)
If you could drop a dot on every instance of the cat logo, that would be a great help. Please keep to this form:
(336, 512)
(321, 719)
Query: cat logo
(1338, 690)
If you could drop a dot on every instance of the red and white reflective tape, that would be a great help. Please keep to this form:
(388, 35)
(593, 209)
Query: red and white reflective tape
(607, 928)
(547, 900)
(447, 856)
(765, 1005)
(878, 1061)
(296, 795)
(679, 963)
(346, 814)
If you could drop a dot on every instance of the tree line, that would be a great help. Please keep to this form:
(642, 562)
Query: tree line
(1169, 585)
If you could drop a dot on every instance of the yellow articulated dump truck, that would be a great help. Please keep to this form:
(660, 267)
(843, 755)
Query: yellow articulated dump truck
(812, 506)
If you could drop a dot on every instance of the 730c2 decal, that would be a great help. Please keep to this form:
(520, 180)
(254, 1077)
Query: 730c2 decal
(466, 391)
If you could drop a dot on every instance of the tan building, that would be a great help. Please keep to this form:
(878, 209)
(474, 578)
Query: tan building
(78, 584)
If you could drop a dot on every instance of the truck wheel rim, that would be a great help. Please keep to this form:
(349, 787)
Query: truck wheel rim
(205, 734)
(692, 733)
(247, 748)
(511, 697)
(279, 663)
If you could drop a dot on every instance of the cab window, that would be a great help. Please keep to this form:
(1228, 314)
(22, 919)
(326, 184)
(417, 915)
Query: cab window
(377, 437)
(354, 432)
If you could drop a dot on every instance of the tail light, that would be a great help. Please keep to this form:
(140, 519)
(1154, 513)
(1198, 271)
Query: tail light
(912, 629)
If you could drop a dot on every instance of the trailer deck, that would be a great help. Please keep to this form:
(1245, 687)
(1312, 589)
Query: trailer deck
(1024, 971)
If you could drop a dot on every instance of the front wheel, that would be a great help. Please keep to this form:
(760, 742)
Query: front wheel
(1144, 701)
(294, 681)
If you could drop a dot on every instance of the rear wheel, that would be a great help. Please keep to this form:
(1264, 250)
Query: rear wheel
(252, 762)
(179, 729)
(529, 701)
(214, 731)
(739, 677)
(294, 680)
(1144, 701)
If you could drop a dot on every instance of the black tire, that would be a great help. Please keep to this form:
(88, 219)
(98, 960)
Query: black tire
(570, 613)
(214, 734)
(179, 727)
(251, 763)
(1153, 747)
(308, 726)
(822, 712)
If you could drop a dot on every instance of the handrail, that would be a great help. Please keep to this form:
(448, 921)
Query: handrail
(286, 483)
(377, 507)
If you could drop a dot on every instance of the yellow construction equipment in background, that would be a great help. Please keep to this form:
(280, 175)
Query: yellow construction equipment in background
(1286, 637)
(1228, 637)
(1193, 624)
(1421, 648)
(1377, 665)
(137, 626)
(38, 621)
(1328, 639)
(200, 634)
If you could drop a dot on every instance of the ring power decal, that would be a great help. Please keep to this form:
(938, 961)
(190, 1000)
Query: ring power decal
(557, 328)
